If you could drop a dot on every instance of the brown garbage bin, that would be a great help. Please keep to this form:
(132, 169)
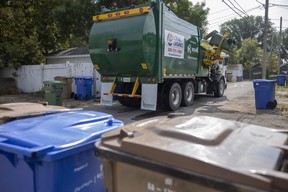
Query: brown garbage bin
(229, 77)
(67, 90)
(193, 154)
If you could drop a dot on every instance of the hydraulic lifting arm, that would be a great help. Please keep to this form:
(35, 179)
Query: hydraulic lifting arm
(212, 53)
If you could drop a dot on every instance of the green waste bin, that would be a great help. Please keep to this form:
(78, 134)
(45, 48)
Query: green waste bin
(53, 92)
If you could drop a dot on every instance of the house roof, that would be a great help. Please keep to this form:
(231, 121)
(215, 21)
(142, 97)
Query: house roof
(69, 52)
(234, 67)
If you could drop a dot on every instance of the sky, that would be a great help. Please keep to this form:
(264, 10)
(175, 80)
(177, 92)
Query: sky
(220, 12)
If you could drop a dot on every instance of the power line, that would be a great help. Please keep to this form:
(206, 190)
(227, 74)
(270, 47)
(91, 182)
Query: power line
(261, 3)
(279, 19)
(279, 5)
(236, 7)
(252, 9)
(229, 17)
(223, 18)
(231, 8)
(240, 6)
(241, 9)
(282, 27)
(220, 21)
(218, 11)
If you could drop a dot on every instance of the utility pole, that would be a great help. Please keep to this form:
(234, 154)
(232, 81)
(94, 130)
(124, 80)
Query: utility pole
(264, 64)
(271, 51)
(280, 43)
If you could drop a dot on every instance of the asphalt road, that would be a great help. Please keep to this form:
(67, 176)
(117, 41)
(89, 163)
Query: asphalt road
(238, 103)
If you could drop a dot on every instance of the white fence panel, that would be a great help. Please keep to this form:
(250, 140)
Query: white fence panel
(29, 78)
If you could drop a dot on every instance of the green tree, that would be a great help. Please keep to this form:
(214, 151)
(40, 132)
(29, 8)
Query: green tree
(19, 38)
(46, 26)
(113, 4)
(247, 27)
(284, 47)
(33, 28)
(195, 14)
(74, 21)
(249, 54)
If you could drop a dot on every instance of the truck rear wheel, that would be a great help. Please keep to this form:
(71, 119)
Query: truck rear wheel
(187, 93)
(172, 96)
(219, 88)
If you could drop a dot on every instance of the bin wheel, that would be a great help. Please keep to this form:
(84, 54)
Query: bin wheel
(76, 97)
(72, 95)
(271, 104)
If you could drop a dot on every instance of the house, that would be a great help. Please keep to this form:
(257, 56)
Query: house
(234, 72)
(76, 56)
(254, 73)
(71, 55)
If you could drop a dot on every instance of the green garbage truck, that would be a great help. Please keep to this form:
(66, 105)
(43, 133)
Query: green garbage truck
(147, 56)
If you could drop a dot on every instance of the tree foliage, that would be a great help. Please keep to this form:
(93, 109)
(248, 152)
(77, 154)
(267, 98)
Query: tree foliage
(113, 4)
(74, 21)
(33, 28)
(247, 27)
(249, 53)
(195, 14)
(284, 47)
(19, 39)
(249, 31)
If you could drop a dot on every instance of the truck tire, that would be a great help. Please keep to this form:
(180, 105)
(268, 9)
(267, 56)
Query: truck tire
(172, 96)
(187, 93)
(219, 88)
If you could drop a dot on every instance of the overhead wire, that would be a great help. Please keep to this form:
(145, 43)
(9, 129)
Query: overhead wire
(242, 11)
(278, 5)
(219, 11)
(231, 16)
(232, 8)
(279, 19)
(237, 8)
(261, 3)
(240, 6)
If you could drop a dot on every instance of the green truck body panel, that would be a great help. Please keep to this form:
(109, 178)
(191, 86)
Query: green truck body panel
(186, 58)
(164, 43)
(132, 44)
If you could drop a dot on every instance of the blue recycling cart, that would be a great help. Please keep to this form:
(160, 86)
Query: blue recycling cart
(53, 153)
(281, 80)
(84, 87)
(264, 94)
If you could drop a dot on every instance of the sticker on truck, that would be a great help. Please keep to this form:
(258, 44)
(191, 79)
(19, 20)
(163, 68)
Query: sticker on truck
(174, 45)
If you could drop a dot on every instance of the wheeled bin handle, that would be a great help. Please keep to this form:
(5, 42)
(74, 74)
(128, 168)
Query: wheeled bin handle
(24, 151)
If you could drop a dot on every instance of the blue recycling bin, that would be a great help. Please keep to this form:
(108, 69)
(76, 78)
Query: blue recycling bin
(84, 88)
(281, 80)
(53, 153)
(264, 94)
